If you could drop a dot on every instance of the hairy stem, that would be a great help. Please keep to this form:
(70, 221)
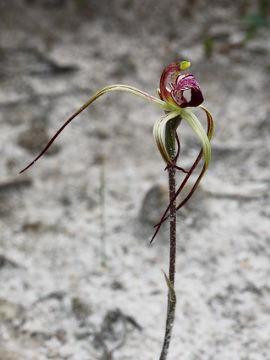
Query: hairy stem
(171, 173)
(170, 281)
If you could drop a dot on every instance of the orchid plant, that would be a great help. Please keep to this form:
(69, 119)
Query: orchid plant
(177, 94)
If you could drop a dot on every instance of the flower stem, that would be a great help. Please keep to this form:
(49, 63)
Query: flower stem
(170, 135)
(170, 281)
(171, 174)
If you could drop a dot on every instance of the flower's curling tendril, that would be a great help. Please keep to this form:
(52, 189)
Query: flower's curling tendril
(178, 93)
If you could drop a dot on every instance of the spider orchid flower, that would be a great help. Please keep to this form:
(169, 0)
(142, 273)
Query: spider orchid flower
(177, 93)
(182, 91)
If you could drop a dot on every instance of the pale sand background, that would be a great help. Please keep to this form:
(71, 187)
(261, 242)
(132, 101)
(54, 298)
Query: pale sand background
(56, 300)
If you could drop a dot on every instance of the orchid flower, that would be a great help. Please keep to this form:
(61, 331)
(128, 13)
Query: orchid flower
(178, 93)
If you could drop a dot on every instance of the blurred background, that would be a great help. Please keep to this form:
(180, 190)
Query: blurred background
(78, 277)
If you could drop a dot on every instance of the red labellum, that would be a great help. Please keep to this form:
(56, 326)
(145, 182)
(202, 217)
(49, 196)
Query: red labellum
(180, 90)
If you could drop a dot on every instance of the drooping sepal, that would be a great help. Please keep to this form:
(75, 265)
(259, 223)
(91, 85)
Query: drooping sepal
(196, 126)
(160, 136)
(205, 152)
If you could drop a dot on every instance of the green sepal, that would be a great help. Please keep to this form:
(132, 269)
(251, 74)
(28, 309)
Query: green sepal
(160, 133)
(196, 126)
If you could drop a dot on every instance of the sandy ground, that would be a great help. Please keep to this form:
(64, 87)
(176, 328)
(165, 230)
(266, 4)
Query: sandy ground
(76, 284)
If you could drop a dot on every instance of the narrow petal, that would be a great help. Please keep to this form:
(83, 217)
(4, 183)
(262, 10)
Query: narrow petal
(117, 87)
